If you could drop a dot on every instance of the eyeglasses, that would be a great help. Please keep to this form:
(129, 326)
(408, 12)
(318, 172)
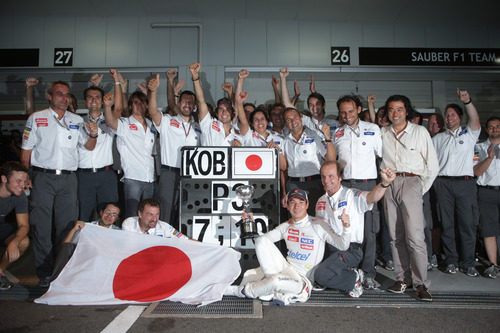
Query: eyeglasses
(108, 212)
(493, 127)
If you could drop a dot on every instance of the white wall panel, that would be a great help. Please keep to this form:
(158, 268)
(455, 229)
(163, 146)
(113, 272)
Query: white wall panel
(250, 42)
(183, 46)
(440, 36)
(29, 32)
(154, 44)
(348, 34)
(314, 44)
(122, 41)
(218, 42)
(409, 36)
(283, 42)
(59, 33)
(378, 35)
(90, 43)
(6, 32)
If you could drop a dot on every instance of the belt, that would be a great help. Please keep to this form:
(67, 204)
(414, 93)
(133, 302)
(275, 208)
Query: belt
(166, 167)
(355, 246)
(52, 171)
(406, 174)
(358, 180)
(457, 177)
(304, 179)
(107, 168)
(496, 188)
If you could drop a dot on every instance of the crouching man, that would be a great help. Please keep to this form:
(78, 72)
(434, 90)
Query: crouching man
(289, 281)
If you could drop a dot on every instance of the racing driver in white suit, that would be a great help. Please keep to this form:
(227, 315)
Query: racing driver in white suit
(289, 281)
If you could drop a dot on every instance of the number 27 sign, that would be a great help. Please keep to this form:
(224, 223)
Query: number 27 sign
(63, 57)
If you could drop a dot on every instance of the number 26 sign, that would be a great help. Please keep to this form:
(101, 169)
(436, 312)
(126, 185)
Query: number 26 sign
(63, 57)
(340, 55)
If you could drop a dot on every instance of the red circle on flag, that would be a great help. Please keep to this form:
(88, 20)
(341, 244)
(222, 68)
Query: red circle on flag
(152, 274)
(253, 162)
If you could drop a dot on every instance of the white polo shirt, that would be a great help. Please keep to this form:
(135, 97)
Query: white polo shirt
(175, 133)
(212, 133)
(305, 156)
(354, 202)
(54, 142)
(491, 176)
(136, 149)
(455, 151)
(358, 148)
(162, 229)
(254, 139)
(102, 155)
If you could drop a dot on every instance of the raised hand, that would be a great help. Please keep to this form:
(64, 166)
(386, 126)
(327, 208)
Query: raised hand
(154, 83)
(31, 82)
(96, 79)
(346, 220)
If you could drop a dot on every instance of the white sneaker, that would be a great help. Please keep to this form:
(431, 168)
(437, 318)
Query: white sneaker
(234, 291)
(357, 291)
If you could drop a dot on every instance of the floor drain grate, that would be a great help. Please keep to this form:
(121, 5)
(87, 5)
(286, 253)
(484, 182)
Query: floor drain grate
(228, 307)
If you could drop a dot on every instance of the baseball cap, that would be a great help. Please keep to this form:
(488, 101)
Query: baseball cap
(297, 193)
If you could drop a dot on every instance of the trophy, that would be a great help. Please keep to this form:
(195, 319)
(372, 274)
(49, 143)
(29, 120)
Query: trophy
(247, 226)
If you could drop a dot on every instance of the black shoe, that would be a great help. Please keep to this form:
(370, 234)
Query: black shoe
(397, 288)
(44, 282)
(5, 284)
(423, 294)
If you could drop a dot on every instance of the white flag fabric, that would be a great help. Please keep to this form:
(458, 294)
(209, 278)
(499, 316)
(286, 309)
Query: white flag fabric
(116, 267)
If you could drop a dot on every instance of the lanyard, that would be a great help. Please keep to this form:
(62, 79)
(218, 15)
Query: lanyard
(189, 129)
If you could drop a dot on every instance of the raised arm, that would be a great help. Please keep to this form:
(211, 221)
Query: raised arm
(378, 191)
(171, 74)
(296, 90)
(31, 82)
(96, 79)
(153, 85)
(276, 88)
(331, 153)
(240, 99)
(228, 89)
(110, 116)
(285, 96)
(371, 107)
(312, 85)
(482, 166)
(123, 95)
(195, 68)
(471, 110)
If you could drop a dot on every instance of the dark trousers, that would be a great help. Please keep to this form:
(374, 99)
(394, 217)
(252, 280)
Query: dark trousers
(53, 204)
(95, 189)
(458, 206)
(371, 228)
(336, 271)
(168, 191)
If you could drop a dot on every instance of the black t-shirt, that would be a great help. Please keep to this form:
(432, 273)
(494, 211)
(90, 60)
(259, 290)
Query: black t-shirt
(17, 203)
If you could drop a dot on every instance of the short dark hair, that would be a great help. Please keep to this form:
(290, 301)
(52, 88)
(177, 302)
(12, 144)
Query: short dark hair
(250, 104)
(276, 105)
(93, 88)
(318, 96)
(254, 112)
(491, 119)
(349, 98)
(188, 93)
(456, 108)
(150, 202)
(103, 205)
(439, 120)
(410, 111)
(9, 167)
(50, 89)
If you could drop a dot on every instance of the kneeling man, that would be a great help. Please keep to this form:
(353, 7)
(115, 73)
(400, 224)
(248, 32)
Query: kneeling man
(289, 281)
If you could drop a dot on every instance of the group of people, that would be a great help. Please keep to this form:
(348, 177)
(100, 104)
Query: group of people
(333, 173)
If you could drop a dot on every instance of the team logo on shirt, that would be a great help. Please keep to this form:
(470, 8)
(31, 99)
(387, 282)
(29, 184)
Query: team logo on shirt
(293, 239)
(339, 133)
(475, 159)
(342, 204)
(215, 126)
(293, 232)
(308, 140)
(357, 193)
(74, 127)
(369, 133)
(307, 247)
(42, 122)
(306, 240)
(174, 123)
(463, 132)
(321, 205)
(133, 127)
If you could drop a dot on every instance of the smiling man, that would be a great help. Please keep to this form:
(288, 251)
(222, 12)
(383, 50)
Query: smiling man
(407, 149)
(12, 198)
(455, 186)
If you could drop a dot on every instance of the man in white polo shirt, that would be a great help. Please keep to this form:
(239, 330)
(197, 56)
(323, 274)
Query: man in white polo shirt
(50, 141)
(175, 132)
(97, 182)
(148, 221)
(358, 144)
(455, 186)
(135, 142)
(336, 271)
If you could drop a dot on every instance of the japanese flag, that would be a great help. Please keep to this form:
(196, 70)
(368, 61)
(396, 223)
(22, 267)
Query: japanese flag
(113, 267)
(254, 163)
